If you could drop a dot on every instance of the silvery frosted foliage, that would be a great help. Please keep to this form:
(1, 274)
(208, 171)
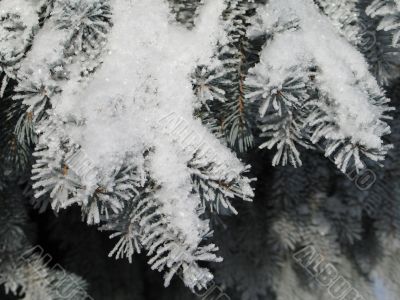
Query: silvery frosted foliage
(356, 20)
(282, 126)
(388, 11)
(33, 280)
(205, 83)
(90, 22)
(220, 85)
(153, 191)
(216, 192)
(18, 23)
(44, 72)
(377, 45)
(24, 271)
(133, 113)
(344, 15)
(305, 209)
(297, 83)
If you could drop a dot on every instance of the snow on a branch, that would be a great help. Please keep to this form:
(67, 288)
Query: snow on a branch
(138, 103)
(304, 40)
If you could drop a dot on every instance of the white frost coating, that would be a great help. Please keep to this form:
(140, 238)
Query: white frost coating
(41, 52)
(341, 66)
(26, 9)
(18, 21)
(178, 202)
(24, 13)
(27, 14)
(143, 80)
(388, 11)
(136, 102)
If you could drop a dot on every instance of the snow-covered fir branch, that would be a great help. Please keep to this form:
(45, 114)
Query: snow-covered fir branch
(59, 85)
(388, 11)
(135, 113)
(300, 85)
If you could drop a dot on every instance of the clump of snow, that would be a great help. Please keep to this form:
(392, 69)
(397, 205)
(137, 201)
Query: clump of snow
(343, 72)
(18, 22)
(126, 106)
(26, 9)
(144, 78)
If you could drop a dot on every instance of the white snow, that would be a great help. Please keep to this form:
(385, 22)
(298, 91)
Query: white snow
(145, 77)
(13, 42)
(26, 9)
(341, 67)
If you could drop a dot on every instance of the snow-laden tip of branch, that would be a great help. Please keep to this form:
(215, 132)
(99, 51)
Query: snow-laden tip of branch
(302, 38)
(209, 28)
(389, 12)
(122, 111)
